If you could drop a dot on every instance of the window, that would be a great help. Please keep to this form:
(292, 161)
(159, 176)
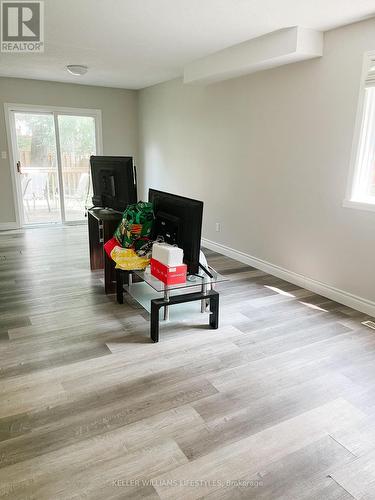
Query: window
(361, 189)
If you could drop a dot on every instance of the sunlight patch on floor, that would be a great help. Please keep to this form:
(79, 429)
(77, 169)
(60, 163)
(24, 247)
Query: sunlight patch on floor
(313, 306)
(278, 290)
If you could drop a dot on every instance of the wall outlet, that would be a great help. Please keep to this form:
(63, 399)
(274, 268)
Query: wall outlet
(218, 227)
(3, 155)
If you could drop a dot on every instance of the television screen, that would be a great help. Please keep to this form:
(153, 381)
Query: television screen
(114, 181)
(179, 221)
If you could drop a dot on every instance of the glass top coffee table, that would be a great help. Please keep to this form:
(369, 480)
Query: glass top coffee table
(198, 287)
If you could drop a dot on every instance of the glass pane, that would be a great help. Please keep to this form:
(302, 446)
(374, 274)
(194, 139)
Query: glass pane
(35, 135)
(192, 280)
(369, 172)
(77, 144)
(364, 179)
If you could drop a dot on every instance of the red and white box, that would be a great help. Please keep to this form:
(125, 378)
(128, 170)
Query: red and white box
(169, 275)
(168, 255)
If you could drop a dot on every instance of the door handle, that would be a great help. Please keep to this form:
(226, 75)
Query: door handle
(18, 166)
(101, 235)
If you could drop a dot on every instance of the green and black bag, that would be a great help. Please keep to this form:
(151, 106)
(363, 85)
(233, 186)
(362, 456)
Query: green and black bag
(135, 226)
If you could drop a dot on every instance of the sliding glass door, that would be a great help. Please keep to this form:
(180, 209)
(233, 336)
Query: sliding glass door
(37, 167)
(77, 144)
(51, 151)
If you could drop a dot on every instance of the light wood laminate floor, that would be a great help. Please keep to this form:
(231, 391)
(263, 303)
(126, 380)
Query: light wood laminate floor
(279, 402)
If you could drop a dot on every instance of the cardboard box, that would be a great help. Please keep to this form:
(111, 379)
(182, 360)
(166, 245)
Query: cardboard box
(169, 275)
(168, 255)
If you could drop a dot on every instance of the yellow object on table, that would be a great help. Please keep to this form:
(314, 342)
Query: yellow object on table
(128, 260)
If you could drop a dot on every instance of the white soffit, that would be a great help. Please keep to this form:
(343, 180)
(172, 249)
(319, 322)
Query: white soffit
(268, 51)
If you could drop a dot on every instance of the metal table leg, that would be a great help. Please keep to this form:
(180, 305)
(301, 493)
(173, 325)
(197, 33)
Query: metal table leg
(156, 304)
(204, 301)
(119, 286)
(154, 323)
(214, 311)
(166, 308)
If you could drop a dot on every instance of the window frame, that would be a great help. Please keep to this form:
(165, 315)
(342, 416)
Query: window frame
(349, 202)
(9, 109)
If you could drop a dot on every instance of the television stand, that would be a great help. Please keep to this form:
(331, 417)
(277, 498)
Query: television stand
(102, 223)
(105, 210)
(200, 288)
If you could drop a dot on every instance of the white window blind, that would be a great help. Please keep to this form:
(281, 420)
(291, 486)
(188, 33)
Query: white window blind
(370, 78)
(362, 189)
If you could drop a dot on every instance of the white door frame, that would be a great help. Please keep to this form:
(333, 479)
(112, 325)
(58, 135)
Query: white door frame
(10, 109)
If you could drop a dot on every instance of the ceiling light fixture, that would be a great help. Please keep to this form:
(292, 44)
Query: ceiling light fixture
(77, 69)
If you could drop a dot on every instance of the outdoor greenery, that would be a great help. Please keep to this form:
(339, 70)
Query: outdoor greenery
(36, 134)
(77, 134)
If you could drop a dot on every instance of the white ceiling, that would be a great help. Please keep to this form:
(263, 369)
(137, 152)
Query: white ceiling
(136, 43)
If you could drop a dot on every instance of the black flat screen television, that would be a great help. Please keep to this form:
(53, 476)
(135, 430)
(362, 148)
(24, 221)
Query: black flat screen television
(179, 221)
(114, 181)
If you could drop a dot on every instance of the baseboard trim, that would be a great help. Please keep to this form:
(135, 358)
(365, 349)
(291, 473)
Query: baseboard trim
(7, 226)
(341, 296)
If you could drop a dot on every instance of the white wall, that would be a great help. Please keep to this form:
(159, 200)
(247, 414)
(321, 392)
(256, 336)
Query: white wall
(119, 116)
(269, 155)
